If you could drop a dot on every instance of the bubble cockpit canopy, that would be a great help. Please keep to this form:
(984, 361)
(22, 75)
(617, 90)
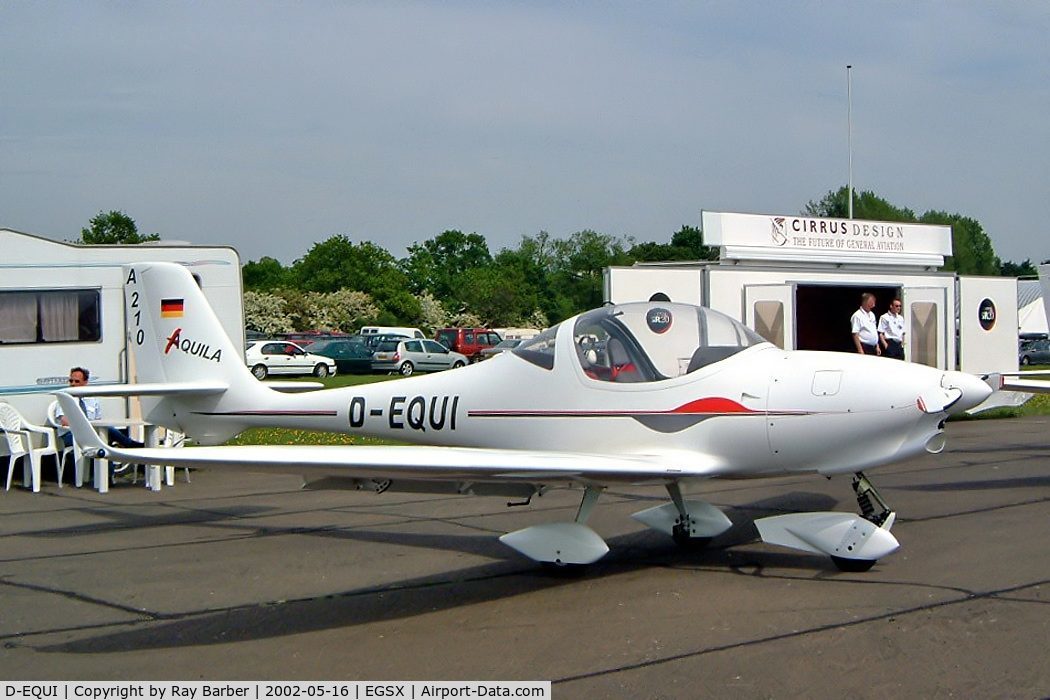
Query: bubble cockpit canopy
(646, 341)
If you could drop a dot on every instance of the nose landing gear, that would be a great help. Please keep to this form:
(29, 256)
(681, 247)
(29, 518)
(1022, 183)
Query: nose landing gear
(868, 498)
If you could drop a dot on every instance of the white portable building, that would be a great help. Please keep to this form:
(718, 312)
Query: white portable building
(62, 306)
(797, 280)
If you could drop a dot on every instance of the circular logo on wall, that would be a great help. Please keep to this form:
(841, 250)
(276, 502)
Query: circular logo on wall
(986, 314)
(659, 320)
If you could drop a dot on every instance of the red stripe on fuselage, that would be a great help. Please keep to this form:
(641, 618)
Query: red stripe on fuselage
(712, 404)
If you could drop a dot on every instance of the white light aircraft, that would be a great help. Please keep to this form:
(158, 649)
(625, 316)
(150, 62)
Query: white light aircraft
(640, 393)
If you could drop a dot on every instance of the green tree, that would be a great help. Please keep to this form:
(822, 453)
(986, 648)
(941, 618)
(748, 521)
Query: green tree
(1022, 269)
(578, 273)
(338, 263)
(866, 205)
(691, 239)
(972, 252)
(114, 227)
(438, 265)
(499, 296)
(686, 244)
(264, 275)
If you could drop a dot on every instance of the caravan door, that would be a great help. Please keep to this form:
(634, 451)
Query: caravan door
(987, 324)
(927, 328)
(769, 310)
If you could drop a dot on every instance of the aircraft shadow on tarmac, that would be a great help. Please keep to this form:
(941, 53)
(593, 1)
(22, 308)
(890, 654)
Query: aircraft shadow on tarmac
(507, 577)
(125, 518)
(1027, 482)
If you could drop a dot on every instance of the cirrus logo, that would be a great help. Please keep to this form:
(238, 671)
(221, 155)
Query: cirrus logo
(986, 314)
(659, 320)
(778, 231)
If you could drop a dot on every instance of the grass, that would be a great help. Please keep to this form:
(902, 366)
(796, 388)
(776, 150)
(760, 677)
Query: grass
(1038, 405)
(283, 436)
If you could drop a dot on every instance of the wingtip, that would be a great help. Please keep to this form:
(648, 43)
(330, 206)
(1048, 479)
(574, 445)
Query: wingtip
(83, 433)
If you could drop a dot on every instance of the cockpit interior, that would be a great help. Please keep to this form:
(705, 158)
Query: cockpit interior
(645, 342)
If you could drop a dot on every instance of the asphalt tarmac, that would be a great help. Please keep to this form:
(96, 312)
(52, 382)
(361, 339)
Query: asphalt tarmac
(250, 577)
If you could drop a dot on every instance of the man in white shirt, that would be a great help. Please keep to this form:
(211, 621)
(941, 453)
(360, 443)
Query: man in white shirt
(78, 376)
(862, 325)
(891, 332)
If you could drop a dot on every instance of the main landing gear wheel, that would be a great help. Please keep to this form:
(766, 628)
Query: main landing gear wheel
(321, 370)
(260, 372)
(853, 565)
(681, 537)
(406, 369)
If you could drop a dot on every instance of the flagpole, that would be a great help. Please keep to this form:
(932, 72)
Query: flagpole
(849, 134)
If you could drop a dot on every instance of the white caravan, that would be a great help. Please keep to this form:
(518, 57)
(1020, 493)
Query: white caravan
(62, 305)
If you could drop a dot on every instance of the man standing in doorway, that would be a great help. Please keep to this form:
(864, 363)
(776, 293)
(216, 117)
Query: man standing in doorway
(891, 332)
(862, 324)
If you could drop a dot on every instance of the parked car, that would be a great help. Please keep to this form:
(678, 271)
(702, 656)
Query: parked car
(468, 341)
(1034, 352)
(405, 331)
(373, 341)
(266, 357)
(501, 347)
(409, 356)
(305, 338)
(351, 356)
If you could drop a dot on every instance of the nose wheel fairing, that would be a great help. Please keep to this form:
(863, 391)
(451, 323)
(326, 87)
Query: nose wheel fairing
(854, 542)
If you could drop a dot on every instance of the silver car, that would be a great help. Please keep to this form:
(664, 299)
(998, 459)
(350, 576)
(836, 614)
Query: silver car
(409, 356)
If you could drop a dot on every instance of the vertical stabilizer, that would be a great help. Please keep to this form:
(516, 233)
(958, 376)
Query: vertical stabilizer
(175, 337)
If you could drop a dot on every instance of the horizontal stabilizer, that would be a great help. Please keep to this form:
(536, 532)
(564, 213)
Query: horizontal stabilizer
(843, 535)
(293, 387)
(558, 543)
(158, 389)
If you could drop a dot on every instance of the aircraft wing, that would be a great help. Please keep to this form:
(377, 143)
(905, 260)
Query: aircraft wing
(201, 388)
(1034, 386)
(207, 388)
(1023, 380)
(414, 462)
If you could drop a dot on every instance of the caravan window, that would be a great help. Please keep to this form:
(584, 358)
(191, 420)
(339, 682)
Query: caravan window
(52, 316)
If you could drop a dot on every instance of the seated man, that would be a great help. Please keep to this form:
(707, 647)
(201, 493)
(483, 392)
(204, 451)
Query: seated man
(78, 376)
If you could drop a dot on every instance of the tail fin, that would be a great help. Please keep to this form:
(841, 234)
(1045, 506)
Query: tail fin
(176, 339)
(174, 334)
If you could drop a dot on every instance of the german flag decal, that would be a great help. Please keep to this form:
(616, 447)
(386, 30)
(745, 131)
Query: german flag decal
(170, 308)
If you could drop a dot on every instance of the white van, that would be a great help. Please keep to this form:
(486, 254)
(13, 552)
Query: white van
(392, 330)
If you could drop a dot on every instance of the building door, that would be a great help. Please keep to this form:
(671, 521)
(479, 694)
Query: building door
(769, 310)
(926, 326)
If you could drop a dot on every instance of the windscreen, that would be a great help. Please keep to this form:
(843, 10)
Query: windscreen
(648, 342)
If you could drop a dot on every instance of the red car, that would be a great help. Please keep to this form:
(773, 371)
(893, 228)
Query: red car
(468, 341)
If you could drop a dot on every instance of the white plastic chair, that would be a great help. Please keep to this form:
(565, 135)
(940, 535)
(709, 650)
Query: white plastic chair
(172, 439)
(80, 462)
(175, 439)
(19, 432)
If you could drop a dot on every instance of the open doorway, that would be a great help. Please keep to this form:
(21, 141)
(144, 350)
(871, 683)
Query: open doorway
(822, 313)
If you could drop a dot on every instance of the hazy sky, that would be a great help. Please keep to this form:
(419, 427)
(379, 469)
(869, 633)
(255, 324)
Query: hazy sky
(272, 126)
